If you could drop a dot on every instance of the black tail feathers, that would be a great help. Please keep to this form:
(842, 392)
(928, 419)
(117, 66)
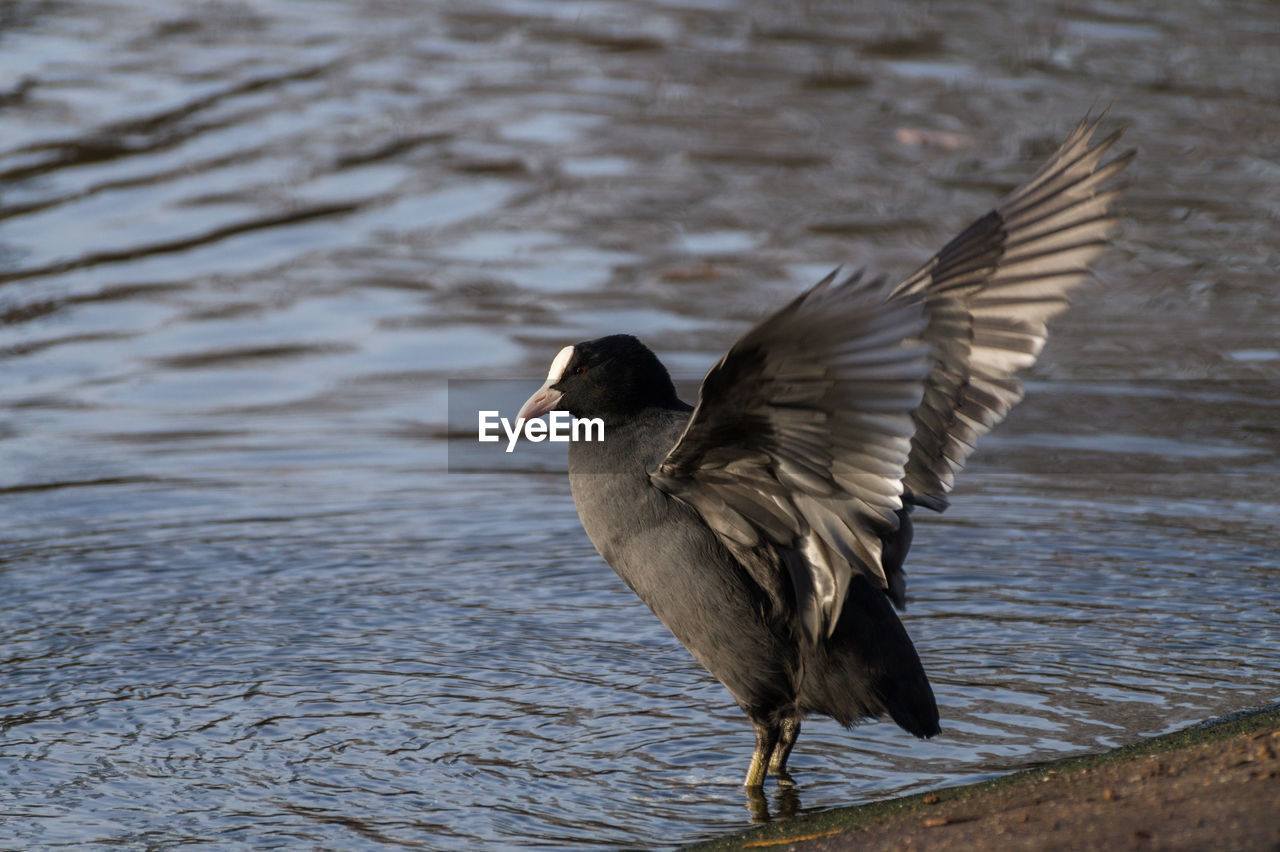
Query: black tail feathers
(868, 667)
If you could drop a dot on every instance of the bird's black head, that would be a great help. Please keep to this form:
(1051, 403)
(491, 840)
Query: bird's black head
(610, 377)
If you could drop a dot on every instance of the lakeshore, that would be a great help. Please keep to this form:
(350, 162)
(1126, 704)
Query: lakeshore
(1213, 785)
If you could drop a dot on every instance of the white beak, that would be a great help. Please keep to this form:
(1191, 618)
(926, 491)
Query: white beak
(543, 400)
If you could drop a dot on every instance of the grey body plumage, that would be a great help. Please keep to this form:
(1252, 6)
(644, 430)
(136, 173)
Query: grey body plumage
(767, 526)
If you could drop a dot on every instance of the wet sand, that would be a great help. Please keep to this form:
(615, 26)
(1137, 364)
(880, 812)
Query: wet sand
(1211, 786)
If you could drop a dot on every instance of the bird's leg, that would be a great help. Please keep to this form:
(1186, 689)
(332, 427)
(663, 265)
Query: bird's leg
(766, 739)
(789, 730)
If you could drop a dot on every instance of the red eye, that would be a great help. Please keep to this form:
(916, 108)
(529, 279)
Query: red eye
(582, 370)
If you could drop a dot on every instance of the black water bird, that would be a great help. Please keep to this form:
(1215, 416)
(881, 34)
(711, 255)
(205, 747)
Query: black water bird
(767, 526)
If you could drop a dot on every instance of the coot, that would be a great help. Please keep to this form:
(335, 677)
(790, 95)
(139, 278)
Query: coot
(767, 526)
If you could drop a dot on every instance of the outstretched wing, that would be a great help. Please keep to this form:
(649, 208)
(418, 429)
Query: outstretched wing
(817, 426)
(801, 434)
(989, 294)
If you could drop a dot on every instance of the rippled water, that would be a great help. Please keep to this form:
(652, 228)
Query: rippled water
(243, 247)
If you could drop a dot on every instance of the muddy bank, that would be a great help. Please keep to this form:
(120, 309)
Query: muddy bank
(1211, 786)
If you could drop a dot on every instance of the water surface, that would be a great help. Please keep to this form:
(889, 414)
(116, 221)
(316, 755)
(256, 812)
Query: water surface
(244, 603)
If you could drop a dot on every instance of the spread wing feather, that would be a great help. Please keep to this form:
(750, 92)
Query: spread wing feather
(801, 434)
(989, 294)
(817, 426)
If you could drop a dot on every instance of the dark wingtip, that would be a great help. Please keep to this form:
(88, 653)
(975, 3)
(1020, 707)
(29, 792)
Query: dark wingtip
(936, 502)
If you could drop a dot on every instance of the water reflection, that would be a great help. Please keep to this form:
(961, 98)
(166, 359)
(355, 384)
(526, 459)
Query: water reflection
(242, 599)
(785, 804)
